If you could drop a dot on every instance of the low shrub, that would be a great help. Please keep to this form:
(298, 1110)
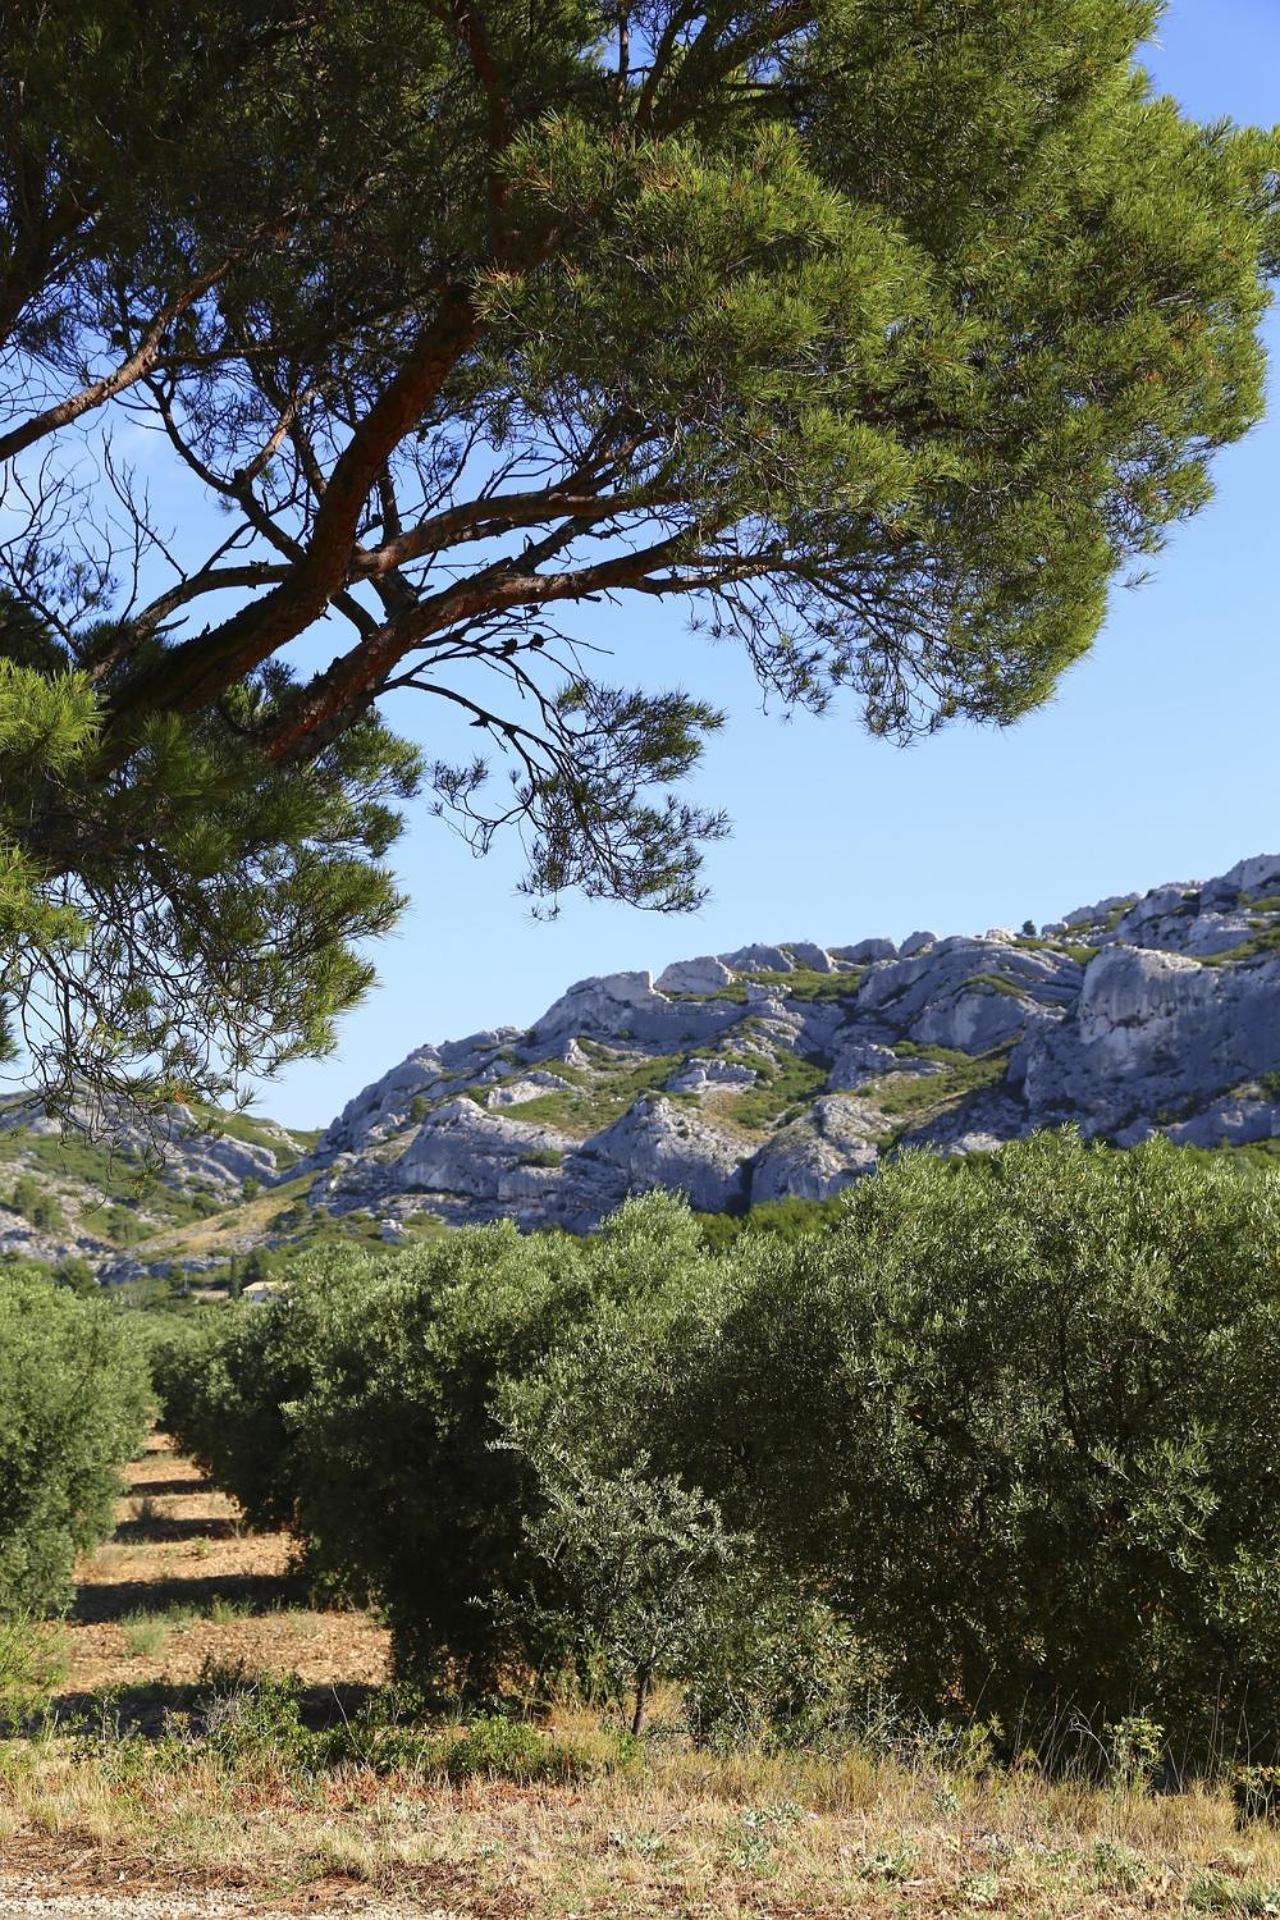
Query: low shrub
(253, 1720)
(498, 1749)
(1256, 1792)
(33, 1662)
(74, 1401)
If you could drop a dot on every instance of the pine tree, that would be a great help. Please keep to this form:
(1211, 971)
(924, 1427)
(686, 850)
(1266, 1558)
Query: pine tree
(880, 339)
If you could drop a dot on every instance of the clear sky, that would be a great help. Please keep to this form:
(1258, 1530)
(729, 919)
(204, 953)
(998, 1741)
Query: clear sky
(1156, 761)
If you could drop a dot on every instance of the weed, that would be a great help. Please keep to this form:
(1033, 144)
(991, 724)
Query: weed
(223, 1611)
(911, 1097)
(804, 983)
(1256, 1792)
(544, 1157)
(782, 1085)
(513, 1750)
(1264, 940)
(602, 1097)
(33, 1661)
(145, 1635)
(998, 983)
(887, 1863)
(1116, 1868)
(1214, 1892)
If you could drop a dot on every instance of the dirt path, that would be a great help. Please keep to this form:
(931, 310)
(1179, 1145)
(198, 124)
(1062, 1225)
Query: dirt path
(181, 1585)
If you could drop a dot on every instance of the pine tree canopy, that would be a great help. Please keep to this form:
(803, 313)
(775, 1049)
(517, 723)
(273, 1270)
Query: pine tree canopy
(882, 336)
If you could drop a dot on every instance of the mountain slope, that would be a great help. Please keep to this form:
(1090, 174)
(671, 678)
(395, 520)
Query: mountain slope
(790, 1070)
(64, 1196)
(741, 1078)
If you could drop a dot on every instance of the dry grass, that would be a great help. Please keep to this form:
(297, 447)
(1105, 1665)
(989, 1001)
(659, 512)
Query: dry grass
(675, 1835)
(663, 1831)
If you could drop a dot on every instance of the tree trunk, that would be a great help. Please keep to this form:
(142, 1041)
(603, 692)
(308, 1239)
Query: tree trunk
(643, 1677)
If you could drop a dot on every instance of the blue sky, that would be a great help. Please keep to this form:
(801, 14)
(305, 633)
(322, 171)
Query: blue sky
(1156, 760)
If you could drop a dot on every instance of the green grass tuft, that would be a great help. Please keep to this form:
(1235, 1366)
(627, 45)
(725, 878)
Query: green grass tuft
(998, 983)
(601, 1097)
(911, 1097)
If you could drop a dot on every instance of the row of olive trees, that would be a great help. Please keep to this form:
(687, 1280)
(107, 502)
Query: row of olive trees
(74, 1400)
(998, 1443)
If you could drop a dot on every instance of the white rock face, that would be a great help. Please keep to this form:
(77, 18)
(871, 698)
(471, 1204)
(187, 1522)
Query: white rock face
(865, 952)
(463, 1152)
(817, 1156)
(217, 1159)
(1089, 916)
(758, 960)
(806, 954)
(1152, 910)
(1211, 933)
(1172, 1021)
(706, 975)
(1238, 1120)
(602, 1004)
(421, 1075)
(530, 1087)
(858, 1060)
(702, 1076)
(661, 1145)
(1259, 875)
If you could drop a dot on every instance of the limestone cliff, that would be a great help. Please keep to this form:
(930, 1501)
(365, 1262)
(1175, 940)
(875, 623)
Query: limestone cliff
(791, 1068)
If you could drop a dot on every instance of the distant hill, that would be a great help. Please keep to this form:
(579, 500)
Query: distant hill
(63, 1195)
(790, 1069)
(777, 1071)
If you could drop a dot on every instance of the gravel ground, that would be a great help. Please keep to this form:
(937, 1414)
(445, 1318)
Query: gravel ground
(21, 1896)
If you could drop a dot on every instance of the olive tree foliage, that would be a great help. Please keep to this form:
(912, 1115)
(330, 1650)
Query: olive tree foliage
(632, 1573)
(995, 1445)
(1016, 1417)
(74, 1400)
(378, 1409)
(878, 339)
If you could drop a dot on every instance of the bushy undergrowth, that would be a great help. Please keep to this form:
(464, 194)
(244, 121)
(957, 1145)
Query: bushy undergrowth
(32, 1663)
(997, 1446)
(74, 1398)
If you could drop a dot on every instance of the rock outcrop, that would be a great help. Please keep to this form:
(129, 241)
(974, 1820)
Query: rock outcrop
(789, 1069)
(779, 1070)
(68, 1194)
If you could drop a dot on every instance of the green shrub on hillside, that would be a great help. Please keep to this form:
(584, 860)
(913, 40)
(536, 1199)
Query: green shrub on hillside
(74, 1399)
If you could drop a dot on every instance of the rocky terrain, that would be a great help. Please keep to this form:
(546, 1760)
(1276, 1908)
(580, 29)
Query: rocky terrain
(67, 1196)
(790, 1069)
(740, 1078)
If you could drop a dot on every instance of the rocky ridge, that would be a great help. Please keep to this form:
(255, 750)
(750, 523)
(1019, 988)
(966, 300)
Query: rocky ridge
(66, 1195)
(792, 1069)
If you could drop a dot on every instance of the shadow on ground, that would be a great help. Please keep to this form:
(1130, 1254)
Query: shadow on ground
(245, 1592)
(139, 1489)
(160, 1527)
(151, 1707)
